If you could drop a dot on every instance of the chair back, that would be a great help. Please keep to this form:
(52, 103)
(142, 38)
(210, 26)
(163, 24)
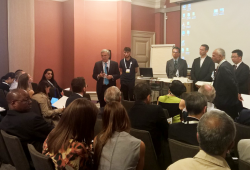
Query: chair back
(150, 161)
(166, 113)
(243, 165)
(67, 93)
(86, 95)
(39, 160)
(181, 150)
(242, 132)
(4, 153)
(98, 127)
(16, 152)
(34, 86)
(35, 107)
(127, 104)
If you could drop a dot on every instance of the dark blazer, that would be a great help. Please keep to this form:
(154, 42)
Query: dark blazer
(244, 117)
(204, 72)
(185, 133)
(181, 66)
(242, 74)
(72, 97)
(113, 70)
(4, 87)
(152, 119)
(226, 87)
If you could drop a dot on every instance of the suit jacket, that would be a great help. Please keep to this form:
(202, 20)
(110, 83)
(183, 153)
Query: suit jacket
(242, 74)
(181, 66)
(72, 97)
(113, 70)
(152, 119)
(226, 87)
(204, 72)
(184, 132)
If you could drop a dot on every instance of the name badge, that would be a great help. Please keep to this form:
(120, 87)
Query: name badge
(127, 70)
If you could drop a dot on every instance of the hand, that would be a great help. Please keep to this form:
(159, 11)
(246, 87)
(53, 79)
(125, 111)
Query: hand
(101, 74)
(109, 77)
(62, 93)
(240, 98)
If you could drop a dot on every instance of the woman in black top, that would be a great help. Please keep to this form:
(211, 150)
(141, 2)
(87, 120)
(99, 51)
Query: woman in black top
(48, 75)
(6, 81)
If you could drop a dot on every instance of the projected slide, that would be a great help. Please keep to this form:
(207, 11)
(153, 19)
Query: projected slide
(217, 23)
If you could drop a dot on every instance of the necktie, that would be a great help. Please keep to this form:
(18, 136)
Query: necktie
(106, 81)
(235, 66)
(175, 64)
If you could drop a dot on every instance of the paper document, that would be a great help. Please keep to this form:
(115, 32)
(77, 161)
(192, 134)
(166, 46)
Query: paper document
(246, 101)
(60, 103)
(183, 79)
(2, 109)
(68, 89)
(201, 83)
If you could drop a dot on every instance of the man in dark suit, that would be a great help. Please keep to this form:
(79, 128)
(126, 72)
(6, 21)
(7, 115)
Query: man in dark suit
(78, 87)
(225, 83)
(241, 71)
(148, 117)
(202, 67)
(196, 105)
(21, 122)
(176, 67)
(105, 72)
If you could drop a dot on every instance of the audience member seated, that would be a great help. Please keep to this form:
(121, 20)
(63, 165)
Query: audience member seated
(172, 100)
(216, 133)
(70, 142)
(148, 117)
(244, 117)
(114, 147)
(48, 75)
(41, 96)
(15, 82)
(186, 132)
(78, 87)
(244, 150)
(6, 81)
(209, 91)
(21, 122)
(110, 95)
(24, 82)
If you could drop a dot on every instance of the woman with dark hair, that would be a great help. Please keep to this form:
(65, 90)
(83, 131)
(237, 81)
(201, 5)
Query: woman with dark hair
(114, 147)
(24, 82)
(41, 96)
(6, 81)
(172, 100)
(70, 142)
(48, 75)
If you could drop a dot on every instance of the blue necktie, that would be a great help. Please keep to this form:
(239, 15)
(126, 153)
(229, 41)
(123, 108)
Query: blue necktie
(106, 81)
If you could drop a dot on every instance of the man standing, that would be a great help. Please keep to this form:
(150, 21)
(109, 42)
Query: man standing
(225, 84)
(105, 72)
(241, 71)
(176, 67)
(128, 69)
(203, 66)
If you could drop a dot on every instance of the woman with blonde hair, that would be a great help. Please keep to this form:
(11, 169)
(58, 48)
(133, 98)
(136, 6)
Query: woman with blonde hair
(24, 82)
(114, 147)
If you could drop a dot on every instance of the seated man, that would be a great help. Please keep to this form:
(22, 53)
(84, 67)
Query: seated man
(151, 118)
(216, 133)
(21, 122)
(78, 87)
(110, 95)
(210, 93)
(196, 105)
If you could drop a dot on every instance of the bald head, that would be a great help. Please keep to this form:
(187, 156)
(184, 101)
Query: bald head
(209, 91)
(112, 94)
(18, 100)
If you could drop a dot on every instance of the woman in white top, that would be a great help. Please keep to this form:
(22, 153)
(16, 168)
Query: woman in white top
(114, 147)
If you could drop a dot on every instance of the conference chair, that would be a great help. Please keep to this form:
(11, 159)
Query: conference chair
(150, 161)
(181, 150)
(4, 153)
(16, 151)
(166, 113)
(67, 93)
(40, 161)
(243, 165)
(127, 104)
(35, 107)
(98, 127)
(34, 86)
(242, 132)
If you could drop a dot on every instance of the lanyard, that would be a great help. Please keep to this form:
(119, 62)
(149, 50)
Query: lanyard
(50, 83)
(126, 65)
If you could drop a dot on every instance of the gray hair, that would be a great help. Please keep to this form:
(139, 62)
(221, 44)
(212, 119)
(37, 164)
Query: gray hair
(216, 131)
(17, 74)
(112, 94)
(105, 51)
(208, 91)
(221, 52)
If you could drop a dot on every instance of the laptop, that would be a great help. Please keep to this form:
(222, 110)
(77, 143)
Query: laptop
(146, 72)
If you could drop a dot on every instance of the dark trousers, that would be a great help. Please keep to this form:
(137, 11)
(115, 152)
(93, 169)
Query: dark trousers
(128, 91)
(100, 95)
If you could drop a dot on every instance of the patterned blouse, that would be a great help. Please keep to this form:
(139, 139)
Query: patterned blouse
(78, 156)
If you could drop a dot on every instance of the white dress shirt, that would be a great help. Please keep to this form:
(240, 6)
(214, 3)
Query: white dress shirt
(13, 85)
(202, 60)
(237, 65)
